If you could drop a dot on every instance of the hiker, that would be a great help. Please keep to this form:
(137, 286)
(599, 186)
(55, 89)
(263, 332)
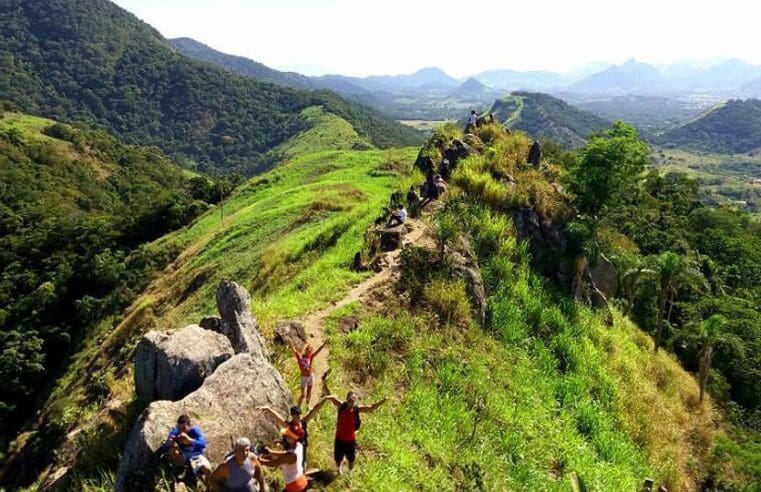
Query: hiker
(296, 425)
(305, 360)
(184, 448)
(445, 169)
(440, 184)
(347, 425)
(240, 472)
(472, 119)
(398, 217)
(290, 461)
(413, 199)
(430, 192)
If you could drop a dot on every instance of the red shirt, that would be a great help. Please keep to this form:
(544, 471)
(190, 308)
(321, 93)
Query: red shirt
(345, 428)
(305, 364)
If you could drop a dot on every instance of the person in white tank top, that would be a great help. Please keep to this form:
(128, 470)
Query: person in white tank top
(291, 463)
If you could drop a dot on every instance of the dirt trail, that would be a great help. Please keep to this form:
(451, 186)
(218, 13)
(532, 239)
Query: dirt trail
(314, 324)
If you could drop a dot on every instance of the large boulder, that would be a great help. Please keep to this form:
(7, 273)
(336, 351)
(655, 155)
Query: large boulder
(474, 285)
(223, 407)
(458, 151)
(168, 366)
(237, 323)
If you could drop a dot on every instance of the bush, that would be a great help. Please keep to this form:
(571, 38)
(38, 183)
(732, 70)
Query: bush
(449, 299)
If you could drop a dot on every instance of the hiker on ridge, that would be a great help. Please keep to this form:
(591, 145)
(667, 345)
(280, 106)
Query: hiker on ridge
(305, 360)
(296, 424)
(398, 217)
(347, 425)
(290, 461)
(240, 472)
(472, 119)
(184, 448)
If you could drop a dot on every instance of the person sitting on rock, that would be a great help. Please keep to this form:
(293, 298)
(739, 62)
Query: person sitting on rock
(472, 119)
(305, 360)
(240, 472)
(441, 185)
(184, 447)
(347, 425)
(296, 424)
(398, 217)
(290, 461)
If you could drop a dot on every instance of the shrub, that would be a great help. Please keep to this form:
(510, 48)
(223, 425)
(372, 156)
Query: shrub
(449, 299)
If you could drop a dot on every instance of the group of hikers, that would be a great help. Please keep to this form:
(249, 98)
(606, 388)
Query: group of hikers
(241, 470)
(433, 187)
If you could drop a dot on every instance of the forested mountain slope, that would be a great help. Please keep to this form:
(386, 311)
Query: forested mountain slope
(733, 127)
(91, 61)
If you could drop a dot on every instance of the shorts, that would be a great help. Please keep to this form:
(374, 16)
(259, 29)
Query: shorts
(198, 462)
(307, 381)
(298, 485)
(344, 449)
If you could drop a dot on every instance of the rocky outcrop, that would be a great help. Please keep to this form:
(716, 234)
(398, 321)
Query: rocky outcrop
(424, 162)
(458, 151)
(391, 239)
(168, 366)
(237, 323)
(224, 406)
(290, 333)
(474, 286)
(213, 323)
(535, 154)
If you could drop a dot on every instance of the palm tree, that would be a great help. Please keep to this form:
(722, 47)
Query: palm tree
(631, 284)
(707, 335)
(674, 272)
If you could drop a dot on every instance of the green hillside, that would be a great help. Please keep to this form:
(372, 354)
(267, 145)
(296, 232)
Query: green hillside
(288, 236)
(546, 389)
(93, 62)
(730, 128)
(75, 207)
(542, 115)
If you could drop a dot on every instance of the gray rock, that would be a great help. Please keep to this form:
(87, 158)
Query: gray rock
(348, 323)
(237, 322)
(223, 407)
(168, 366)
(458, 151)
(391, 239)
(474, 285)
(290, 332)
(213, 323)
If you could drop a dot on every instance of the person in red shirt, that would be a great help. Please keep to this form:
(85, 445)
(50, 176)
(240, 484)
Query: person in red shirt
(345, 445)
(305, 360)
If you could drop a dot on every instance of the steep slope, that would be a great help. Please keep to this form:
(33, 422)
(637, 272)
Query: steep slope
(75, 203)
(733, 127)
(630, 78)
(545, 116)
(288, 236)
(94, 62)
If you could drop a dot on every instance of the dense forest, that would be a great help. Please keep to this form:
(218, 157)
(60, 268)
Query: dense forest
(91, 61)
(733, 127)
(75, 207)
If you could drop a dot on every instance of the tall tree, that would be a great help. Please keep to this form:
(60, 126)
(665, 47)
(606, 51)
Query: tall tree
(674, 273)
(708, 334)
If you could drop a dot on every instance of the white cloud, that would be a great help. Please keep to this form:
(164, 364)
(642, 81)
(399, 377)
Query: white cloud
(361, 37)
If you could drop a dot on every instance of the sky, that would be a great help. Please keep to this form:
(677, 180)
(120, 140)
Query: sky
(363, 37)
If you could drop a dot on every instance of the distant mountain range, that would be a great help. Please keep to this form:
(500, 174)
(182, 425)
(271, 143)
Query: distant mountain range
(632, 77)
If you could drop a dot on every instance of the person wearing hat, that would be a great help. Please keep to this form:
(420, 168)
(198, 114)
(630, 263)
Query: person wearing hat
(240, 472)
(290, 460)
(296, 426)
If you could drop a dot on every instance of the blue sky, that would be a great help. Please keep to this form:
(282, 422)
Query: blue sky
(363, 37)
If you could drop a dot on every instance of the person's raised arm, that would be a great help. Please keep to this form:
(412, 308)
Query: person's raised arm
(373, 407)
(280, 420)
(293, 349)
(314, 410)
(277, 458)
(320, 348)
(334, 400)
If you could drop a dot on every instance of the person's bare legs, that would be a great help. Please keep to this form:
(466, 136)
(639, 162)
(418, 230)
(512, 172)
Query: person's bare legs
(309, 395)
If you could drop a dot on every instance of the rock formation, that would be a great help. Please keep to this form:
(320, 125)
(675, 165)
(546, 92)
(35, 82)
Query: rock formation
(224, 407)
(535, 154)
(237, 322)
(168, 366)
(290, 332)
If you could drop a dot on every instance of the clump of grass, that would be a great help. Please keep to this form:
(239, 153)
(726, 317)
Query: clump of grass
(449, 300)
